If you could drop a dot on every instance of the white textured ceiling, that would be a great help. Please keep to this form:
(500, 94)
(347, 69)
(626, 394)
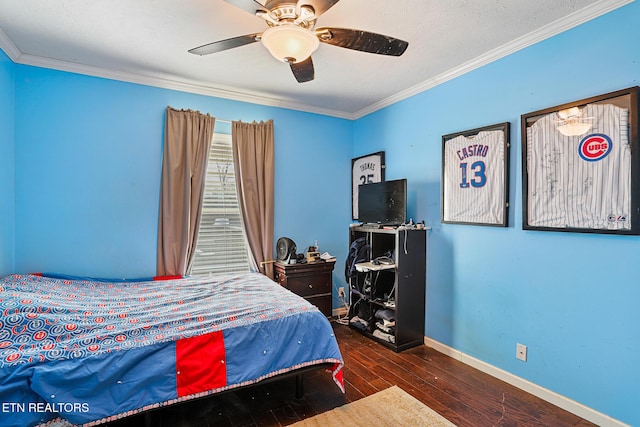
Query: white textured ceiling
(146, 41)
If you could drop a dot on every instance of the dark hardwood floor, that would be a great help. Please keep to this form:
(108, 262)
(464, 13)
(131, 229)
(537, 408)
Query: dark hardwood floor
(463, 395)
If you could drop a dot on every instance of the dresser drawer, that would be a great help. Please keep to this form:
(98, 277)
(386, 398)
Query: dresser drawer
(323, 302)
(310, 285)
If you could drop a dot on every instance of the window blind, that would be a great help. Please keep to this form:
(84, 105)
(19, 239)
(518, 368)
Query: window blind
(221, 245)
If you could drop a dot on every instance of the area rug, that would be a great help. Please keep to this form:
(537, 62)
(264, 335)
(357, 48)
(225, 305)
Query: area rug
(390, 407)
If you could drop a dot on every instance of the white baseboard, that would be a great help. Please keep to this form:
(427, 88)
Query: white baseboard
(534, 389)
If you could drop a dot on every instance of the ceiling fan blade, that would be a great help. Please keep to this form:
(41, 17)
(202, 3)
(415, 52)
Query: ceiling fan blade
(303, 71)
(250, 6)
(319, 6)
(363, 41)
(225, 44)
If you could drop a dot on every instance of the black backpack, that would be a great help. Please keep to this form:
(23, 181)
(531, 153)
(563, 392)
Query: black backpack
(359, 251)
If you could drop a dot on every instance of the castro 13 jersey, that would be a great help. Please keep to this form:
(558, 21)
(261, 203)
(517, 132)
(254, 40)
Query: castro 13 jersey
(473, 178)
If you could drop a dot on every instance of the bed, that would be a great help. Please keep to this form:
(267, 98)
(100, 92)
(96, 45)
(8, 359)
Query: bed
(84, 351)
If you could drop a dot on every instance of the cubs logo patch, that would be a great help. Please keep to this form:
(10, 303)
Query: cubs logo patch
(595, 147)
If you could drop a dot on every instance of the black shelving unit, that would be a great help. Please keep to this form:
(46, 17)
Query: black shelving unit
(398, 287)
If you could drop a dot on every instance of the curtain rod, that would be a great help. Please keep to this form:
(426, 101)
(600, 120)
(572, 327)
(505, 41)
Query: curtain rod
(231, 121)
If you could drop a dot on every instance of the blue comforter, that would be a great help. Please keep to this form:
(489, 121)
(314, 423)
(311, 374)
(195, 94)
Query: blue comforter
(90, 351)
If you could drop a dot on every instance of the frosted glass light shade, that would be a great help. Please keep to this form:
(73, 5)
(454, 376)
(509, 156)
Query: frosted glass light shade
(290, 43)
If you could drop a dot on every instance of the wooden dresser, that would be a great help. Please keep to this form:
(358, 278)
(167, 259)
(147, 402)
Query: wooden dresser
(312, 281)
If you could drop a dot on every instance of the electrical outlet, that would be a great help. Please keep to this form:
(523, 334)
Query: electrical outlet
(341, 292)
(521, 352)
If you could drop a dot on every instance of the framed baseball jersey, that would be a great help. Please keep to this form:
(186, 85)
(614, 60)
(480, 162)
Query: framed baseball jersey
(579, 173)
(475, 176)
(365, 170)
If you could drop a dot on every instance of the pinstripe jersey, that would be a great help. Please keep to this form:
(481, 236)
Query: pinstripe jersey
(474, 168)
(581, 181)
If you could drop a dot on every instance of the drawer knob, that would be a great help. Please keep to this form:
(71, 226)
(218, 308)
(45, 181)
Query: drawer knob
(310, 286)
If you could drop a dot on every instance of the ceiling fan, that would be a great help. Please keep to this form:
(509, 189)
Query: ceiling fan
(291, 35)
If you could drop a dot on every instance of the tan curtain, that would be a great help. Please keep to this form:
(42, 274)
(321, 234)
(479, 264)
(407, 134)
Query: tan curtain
(253, 157)
(187, 140)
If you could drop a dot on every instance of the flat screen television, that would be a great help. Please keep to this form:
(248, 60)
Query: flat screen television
(383, 202)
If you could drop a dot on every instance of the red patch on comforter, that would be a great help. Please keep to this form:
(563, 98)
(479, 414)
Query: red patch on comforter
(200, 364)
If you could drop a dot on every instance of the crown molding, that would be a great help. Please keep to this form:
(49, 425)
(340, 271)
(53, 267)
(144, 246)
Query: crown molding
(183, 86)
(593, 11)
(570, 21)
(9, 47)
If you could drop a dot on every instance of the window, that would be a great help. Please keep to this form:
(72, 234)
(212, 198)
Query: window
(221, 245)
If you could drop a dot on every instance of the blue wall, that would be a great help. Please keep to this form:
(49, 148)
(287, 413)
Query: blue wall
(87, 154)
(573, 299)
(7, 187)
(88, 160)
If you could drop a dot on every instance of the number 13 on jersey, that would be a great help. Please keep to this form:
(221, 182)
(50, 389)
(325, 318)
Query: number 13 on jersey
(478, 176)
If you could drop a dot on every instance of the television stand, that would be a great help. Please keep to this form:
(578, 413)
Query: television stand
(387, 293)
(370, 226)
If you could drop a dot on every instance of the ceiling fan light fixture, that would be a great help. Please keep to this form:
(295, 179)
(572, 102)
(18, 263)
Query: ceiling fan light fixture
(290, 43)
